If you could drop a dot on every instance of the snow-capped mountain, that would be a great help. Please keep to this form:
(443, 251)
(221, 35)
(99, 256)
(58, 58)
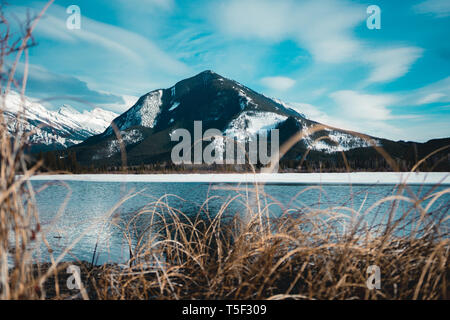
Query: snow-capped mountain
(52, 129)
(220, 103)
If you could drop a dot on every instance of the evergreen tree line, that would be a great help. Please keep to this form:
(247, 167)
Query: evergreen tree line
(356, 160)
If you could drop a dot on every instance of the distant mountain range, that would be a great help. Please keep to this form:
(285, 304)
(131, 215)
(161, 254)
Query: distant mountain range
(220, 103)
(53, 130)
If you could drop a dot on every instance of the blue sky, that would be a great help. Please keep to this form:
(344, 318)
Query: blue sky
(317, 55)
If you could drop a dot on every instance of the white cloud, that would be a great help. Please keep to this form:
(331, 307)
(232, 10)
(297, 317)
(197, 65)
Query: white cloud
(436, 92)
(432, 97)
(52, 87)
(426, 130)
(256, 18)
(149, 6)
(363, 106)
(116, 41)
(324, 29)
(318, 92)
(350, 121)
(316, 114)
(129, 101)
(278, 83)
(439, 8)
(390, 64)
(91, 31)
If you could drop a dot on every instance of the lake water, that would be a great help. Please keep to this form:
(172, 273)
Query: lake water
(75, 210)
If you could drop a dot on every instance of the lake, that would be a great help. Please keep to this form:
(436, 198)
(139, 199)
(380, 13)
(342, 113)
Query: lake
(75, 210)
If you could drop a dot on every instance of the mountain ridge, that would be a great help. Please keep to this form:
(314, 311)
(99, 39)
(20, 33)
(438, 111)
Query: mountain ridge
(218, 102)
(53, 130)
(242, 114)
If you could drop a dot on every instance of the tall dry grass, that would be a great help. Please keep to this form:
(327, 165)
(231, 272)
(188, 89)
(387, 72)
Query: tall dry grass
(301, 254)
(19, 219)
(305, 253)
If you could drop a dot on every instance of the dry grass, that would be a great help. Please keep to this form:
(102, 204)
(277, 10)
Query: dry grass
(298, 255)
(302, 254)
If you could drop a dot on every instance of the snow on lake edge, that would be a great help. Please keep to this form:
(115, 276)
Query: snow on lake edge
(294, 178)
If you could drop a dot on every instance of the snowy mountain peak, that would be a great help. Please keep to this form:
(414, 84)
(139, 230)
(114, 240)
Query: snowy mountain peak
(67, 110)
(220, 103)
(208, 72)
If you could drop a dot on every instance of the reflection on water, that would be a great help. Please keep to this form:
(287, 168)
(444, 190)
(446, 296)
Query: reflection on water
(87, 212)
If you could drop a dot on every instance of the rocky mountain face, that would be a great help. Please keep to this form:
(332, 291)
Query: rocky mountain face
(52, 130)
(237, 111)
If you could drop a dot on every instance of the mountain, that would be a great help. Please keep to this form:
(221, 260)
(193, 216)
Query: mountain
(224, 104)
(53, 129)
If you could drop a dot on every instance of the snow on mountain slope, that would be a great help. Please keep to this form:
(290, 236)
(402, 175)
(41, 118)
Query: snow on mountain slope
(251, 123)
(338, 141)
(248, 124)
(61, 128)
(113, 146)
(287, 106)
(143, 113)
(94, 121)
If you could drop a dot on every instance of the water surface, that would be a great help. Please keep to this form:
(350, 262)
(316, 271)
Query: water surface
(75, 210)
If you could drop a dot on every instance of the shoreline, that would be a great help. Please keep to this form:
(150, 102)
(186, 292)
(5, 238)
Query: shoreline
(420, 178)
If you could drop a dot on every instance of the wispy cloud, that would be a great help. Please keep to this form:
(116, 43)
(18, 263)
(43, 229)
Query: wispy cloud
(127, 103)
(116, 40)
(45, 84)
(148, 5)
(316, 26)
(356, 105)
(324, 28)
(438, 8)
(431, 98)
(438, 91)
(278, 83)
(342, 118)
(390, 64)
(382, 115)
(97, 59)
